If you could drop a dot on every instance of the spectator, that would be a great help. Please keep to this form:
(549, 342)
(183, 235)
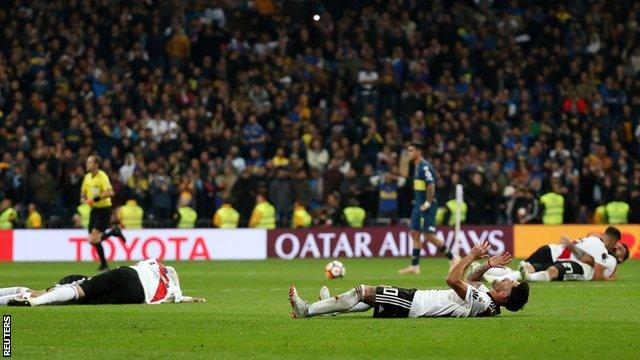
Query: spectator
(317, 157)
(34, 219)
(42, 186)
(281, 195)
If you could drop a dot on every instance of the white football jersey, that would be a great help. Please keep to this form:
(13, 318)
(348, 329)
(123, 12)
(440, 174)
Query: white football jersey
(592, 245)
(158, 282)
(435, 303)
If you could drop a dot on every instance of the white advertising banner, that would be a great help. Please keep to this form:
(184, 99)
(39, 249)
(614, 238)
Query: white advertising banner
(162, 244)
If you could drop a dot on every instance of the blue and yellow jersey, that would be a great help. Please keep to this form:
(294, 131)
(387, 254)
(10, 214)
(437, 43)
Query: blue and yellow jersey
(423, 175)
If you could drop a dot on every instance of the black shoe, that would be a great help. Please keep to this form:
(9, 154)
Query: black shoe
(115, 231)
(448, 254)
(103, 268)
(19, 302)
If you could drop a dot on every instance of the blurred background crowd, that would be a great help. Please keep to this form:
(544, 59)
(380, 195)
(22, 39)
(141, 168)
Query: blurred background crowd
(198, 103)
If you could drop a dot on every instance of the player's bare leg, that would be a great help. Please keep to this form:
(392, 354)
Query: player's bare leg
(414, 268)
(338, 304)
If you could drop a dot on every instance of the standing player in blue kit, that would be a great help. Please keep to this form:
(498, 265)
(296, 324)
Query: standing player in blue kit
(423, 216)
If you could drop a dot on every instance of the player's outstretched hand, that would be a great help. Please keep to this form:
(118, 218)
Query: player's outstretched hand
(500, 260)
(480, 250)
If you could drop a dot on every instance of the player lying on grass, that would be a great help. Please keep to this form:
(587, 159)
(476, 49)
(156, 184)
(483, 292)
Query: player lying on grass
(466, 298)
(147, 282)
(581, 267)
(594, 257)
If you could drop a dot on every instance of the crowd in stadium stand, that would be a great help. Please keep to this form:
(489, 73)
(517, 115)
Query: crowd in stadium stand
(200, 103)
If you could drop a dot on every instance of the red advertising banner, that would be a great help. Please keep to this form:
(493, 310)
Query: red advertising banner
(327, 242)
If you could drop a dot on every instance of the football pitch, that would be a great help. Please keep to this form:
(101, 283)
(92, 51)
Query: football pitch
(247, 316)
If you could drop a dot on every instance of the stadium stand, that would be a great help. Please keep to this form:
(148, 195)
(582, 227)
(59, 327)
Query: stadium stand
(209, 100)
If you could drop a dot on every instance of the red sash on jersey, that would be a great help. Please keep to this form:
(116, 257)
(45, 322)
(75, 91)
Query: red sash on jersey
(566, 253)
(161, 290)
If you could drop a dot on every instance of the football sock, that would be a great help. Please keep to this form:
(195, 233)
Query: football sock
(415, 257)
(539, 276)
(15, 290)
(100, 251)
(340, 303)
(360, 307)
(58, 295)
(106, 234)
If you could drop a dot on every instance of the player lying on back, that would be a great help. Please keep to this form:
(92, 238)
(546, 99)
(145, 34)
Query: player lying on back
(147, 282)
(594, 257)
(466, 298)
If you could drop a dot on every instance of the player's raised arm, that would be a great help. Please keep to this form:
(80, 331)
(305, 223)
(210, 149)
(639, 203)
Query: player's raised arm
(579, 253)
(454, 279)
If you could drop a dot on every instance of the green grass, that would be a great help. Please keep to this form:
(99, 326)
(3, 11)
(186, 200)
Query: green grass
(247, 316)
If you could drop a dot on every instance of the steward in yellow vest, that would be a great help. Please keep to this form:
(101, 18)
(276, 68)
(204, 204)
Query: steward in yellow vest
(600, 215)
(553, 213)
(226, 217)
(186, 216)
(8, 215)
(618, 212)
(450, 213)
(354, 215)
(131, 214)
(301, 217)
(34, 219)
(263, 215)
(83, 212)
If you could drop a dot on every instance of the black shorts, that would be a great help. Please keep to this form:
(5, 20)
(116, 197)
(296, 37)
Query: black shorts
(392, 302)
(570, 270)
(541, 259)
(100, 219)
(117, 286)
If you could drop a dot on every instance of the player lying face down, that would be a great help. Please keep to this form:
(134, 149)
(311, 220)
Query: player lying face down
(466, 298)
(147, 282)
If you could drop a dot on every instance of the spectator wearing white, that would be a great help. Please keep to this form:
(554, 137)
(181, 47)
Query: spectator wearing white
(317, 157)
(128, 168)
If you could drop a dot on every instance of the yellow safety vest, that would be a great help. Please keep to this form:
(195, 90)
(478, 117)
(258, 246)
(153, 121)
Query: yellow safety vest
(440, 216)
(131, 215)
(355, 216)
(84, 211)
(228, 216)
(453, 205)
(600, 215)
(188, 218)
(617, 212)
(6, 218)
(553, 208)
(268, 216)
(304, 216)
(34, 221)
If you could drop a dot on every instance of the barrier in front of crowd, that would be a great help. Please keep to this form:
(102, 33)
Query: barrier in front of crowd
(256, 244)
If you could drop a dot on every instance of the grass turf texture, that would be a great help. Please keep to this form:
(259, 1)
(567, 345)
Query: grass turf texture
(247, 315)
